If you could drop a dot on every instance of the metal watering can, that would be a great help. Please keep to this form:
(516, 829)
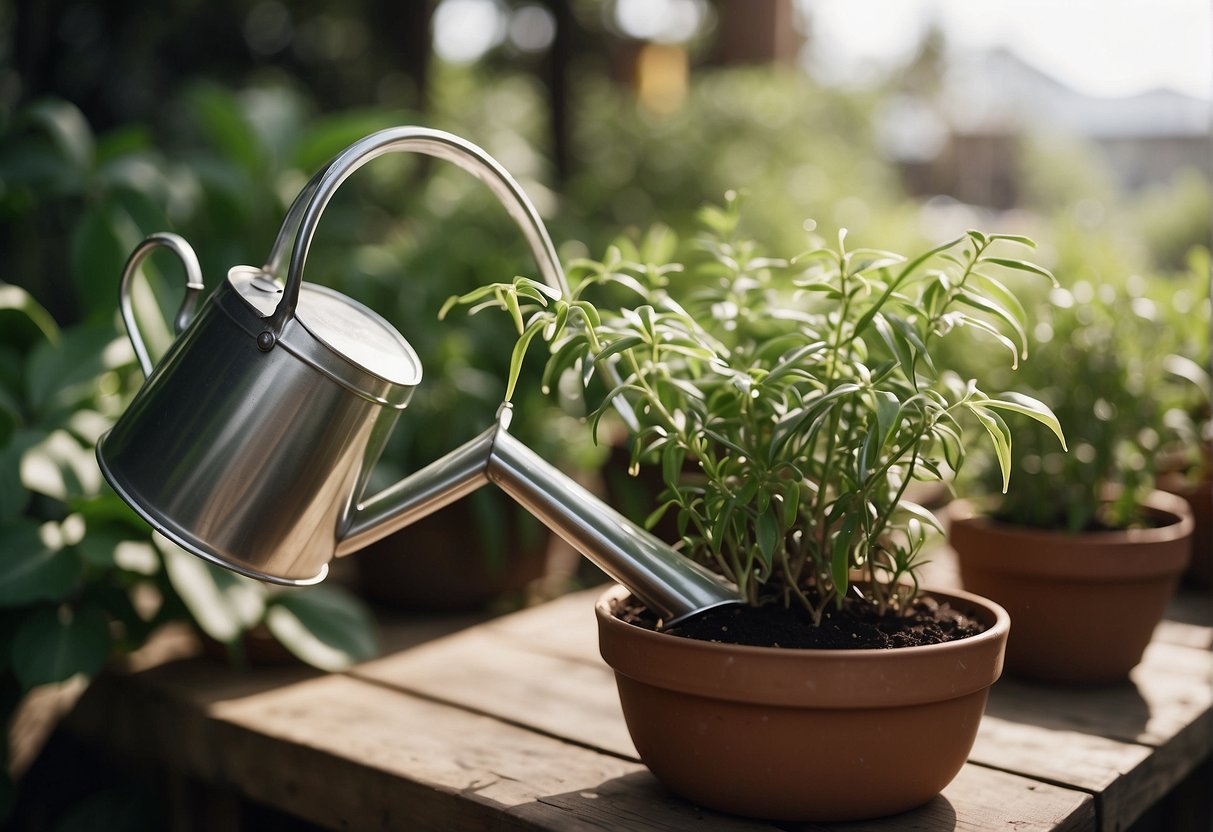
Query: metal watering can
(251, 442)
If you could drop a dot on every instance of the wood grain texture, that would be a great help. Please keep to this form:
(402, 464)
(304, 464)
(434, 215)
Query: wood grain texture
(984, 799)
(514, 724)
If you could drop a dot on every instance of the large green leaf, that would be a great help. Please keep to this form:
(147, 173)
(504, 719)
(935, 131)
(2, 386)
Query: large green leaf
(50, 148)
(223, 604)
(56, 643)
(327, 137)
(323, 626)
(34, 564)
(65, 374)
(14, 496)
(60, 467)
(23, 321)
(220, 117)
(98, 253)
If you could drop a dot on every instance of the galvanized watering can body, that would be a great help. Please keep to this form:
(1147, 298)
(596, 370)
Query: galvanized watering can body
(251, 442)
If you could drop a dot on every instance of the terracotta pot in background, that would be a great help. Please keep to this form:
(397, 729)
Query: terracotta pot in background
(439, 564)
(804, 735)
(1199, 496)
(1083, 606)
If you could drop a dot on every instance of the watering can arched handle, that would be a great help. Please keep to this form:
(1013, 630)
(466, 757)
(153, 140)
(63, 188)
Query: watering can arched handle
(193, 288)
(304, 214)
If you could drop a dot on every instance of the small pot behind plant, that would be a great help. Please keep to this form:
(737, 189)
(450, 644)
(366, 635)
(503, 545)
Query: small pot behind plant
(1083, 606)
(1199, 496)
(439, 563)
(803, 735)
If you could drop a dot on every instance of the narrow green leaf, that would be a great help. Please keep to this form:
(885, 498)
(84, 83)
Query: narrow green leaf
(1028, 406)
(671, 464)
(767, 528)
(791, 503)
(1182, 367)
(1000, 434)
(659, 512)
(888, 413)
(915, 510)
(953, 446)
(840, 554)
(1023, 266)
(615, 347)
(1003, 296)
(992, 331)
(720, 527)
(1015, 238)
(898, 346)
(985, 305)
(518, 354)
(509, 299)
(908, 269)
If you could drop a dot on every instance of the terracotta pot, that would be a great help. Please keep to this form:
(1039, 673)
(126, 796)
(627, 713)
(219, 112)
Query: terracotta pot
(803, 735)
(1199, 497)
(1085, 605)
(438, 564)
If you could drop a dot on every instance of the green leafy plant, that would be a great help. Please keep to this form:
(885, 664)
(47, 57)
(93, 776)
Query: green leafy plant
(82, 580)
(1128, 401)
(803, 392)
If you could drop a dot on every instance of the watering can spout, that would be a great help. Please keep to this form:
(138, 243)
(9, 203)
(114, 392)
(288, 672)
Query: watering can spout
(668, 583)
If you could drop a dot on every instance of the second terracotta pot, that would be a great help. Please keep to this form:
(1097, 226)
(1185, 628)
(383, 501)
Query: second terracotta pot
(1083, 606)
(803, 735)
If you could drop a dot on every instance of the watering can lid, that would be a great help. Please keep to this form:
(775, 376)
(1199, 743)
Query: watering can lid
(344, 326)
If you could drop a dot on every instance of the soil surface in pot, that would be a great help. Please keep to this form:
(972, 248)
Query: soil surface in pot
(855, 626)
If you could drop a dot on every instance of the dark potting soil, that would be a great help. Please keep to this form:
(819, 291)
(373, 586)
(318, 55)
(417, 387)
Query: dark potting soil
(855, 626)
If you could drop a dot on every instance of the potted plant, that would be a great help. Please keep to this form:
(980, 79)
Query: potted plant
(1081, 549)
(1185, 467)
(805, 396)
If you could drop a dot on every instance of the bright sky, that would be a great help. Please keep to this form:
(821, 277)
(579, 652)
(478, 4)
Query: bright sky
(1100, 47)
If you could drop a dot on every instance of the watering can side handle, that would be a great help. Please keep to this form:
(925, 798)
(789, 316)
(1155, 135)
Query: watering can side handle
(193, 287)
(305, 212)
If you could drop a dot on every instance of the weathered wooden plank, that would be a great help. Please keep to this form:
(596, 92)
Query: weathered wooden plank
(486, 671)
(1127, 744)
(352, 755)
(1166, 694)
(514, 724)
(1188, 621)
(563, 627)
(982, 799)
(496, 669)
(1108, 769)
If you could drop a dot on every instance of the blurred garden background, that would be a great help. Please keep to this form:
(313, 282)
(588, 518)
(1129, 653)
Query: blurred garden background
(1082, 125)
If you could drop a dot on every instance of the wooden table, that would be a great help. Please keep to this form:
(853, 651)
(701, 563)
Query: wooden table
(513, 724)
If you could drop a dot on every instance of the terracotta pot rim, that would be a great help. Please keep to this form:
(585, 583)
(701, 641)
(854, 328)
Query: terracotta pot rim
(1115, 555)
(843, 678)
(1158, 504)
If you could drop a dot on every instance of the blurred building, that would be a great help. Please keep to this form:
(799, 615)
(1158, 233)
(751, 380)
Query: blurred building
(965, 137)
